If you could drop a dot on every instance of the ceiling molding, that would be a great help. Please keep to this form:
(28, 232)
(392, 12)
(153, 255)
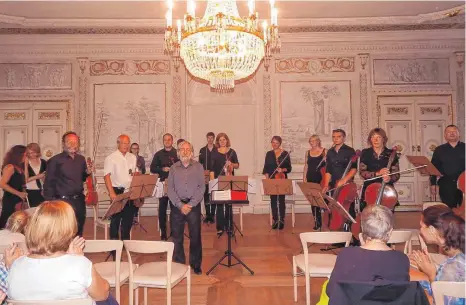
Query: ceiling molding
(451, 18)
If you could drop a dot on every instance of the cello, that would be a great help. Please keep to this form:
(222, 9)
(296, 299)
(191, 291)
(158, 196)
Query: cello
(345, 195)
(92, 197)
(378, 193)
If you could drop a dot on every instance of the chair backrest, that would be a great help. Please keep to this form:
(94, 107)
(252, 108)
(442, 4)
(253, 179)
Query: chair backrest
(451, 289)
(149, 247)
(96, 246)
(325, 238)
(53, 302)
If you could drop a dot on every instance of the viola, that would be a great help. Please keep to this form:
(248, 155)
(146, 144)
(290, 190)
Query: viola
(378, 193)
(92, 197)
(345, 195)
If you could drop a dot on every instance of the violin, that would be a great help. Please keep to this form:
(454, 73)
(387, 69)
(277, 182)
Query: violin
(279, 175)
(378, 193)
(345, 195)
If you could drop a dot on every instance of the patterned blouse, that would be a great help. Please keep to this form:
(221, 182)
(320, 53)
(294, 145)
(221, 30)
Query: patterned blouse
(452, 270)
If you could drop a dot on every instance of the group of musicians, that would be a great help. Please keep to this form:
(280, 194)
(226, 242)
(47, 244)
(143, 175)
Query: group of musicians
(186, 184)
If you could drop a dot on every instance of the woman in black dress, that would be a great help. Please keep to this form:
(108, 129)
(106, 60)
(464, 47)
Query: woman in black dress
(312, 171)
(12, 181)
(275, 157)
(224, 163)
(36, 170)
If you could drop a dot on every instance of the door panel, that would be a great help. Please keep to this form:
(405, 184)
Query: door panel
(49, 139)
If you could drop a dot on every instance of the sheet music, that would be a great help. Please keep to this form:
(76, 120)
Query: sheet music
(252, 187)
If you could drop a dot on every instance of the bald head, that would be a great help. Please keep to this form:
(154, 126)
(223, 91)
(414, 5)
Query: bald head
(123, 142)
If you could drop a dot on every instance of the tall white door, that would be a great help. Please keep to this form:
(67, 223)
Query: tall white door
(25, 122)
(415, 125)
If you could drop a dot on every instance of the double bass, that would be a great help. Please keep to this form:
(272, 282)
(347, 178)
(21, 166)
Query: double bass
(378, 193)
(345, 195)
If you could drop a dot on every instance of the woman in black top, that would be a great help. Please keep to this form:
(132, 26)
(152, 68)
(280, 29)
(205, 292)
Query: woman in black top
(12, 181)
(273, 159)
(36, 171)
(224, 163)
(374, 161)
(312, 171)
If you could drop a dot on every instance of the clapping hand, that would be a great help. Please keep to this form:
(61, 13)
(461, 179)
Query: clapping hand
(76, 246)
(421, 260)
(11, 254)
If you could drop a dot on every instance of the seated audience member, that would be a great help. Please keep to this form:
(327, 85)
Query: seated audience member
(440, 226)
(14, 228)
(55, 268)
(372, 260)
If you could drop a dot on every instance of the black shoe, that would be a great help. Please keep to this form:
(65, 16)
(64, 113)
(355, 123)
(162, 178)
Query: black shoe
(164, 237)
(211, 219)
(197, 270)
(281, 225)
(206, 220)
(275, 225)
(220, 233)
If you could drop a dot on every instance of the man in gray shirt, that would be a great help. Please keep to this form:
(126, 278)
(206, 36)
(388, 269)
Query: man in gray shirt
(186, 187)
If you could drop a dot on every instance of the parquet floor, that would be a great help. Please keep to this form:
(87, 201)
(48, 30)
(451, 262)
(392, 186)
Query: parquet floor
(268, 253)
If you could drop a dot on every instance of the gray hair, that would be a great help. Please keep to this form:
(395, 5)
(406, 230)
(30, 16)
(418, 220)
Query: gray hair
(376, 223)
(178, 149)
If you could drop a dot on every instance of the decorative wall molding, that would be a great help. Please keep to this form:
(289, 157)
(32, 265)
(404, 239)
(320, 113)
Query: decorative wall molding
(419, 71)
(81, 111)
(176, 102)
(460, 103)
(14, 116)
(267, 94)
(49, 115)
(314, 65)
(397, 110)
(36, 76)
(129, 67)
(459, 58)
(363, 95)
(431, 110)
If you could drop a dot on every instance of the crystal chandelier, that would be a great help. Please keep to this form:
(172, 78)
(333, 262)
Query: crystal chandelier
(221, 48)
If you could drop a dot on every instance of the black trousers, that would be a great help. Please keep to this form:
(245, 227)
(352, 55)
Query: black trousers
(163, 206)
(178, 219)
(223, 215)
(281, 207)
(123, 219)
(8, 208)
(209, 209)
(79, 207)
(449, 192)
(317, 214)
(35, 197)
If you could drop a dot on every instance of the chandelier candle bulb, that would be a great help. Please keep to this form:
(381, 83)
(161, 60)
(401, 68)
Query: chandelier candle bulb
(251, 6)
(275, 17)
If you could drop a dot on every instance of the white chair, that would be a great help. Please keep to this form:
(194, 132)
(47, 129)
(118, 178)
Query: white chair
(113, 272)
(316, 264)
(452, 289)
(164, 275)
(428, 204)
(98, 221)
(239, 210)
(293, 215)
(54, 302)
(397, 237)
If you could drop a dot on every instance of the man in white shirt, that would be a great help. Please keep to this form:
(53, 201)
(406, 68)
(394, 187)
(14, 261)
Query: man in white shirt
(119, 168)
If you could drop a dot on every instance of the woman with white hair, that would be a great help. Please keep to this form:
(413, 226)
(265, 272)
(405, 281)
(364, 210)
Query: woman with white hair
(375, 259)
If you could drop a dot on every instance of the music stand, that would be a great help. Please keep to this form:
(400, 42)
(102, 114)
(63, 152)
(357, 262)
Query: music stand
(142, 186)
(231, 183)
(313, 194)
(277, 187)
(117, 205)
(426, 168)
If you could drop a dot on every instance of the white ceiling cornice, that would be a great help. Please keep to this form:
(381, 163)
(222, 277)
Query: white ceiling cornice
(435, 17)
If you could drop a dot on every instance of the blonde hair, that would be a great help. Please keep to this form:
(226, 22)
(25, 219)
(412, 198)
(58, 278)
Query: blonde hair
(17, 222)
(34, 147)
(314, 136)
(376, 223)
(51, 228)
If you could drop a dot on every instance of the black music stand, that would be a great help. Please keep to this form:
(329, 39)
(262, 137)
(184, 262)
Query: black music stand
(233, 185)
(142, 186)
(425, 167)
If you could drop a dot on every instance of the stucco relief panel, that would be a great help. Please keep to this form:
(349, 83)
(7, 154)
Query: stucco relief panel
(314, 65)
(422, 71)
(135, 109)
(17, 76)
(308, 108)
(129, 67)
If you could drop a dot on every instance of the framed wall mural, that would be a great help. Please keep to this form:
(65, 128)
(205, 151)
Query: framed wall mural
(308, 108)
(137, 110)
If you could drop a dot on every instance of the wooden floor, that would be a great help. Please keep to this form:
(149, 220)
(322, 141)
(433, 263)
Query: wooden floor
(268, 253)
